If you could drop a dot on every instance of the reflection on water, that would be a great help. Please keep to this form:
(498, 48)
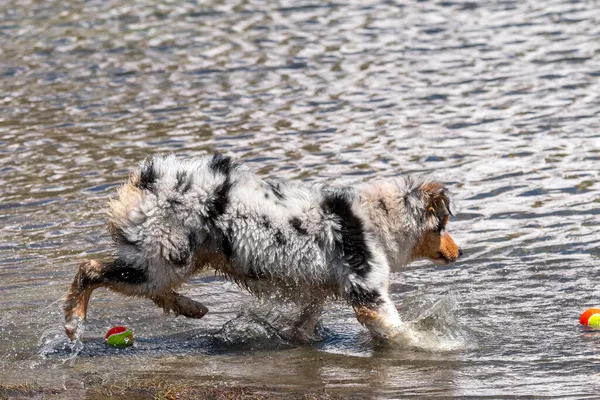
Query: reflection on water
(497, 99)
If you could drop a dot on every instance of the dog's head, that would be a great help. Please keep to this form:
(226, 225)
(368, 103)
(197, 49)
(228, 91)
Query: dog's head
(435, 243)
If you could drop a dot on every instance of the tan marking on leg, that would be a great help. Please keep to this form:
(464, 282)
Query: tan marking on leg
(79, 295)
(365, 315)
(381, 320)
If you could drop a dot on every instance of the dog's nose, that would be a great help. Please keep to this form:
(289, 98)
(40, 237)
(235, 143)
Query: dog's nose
(460, 252)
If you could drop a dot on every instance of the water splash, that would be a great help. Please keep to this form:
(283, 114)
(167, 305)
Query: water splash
(265, 325)
(433, 324)
(76, 346)
(53, 342)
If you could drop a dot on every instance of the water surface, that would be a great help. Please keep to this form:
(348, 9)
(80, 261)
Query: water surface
(498, 99)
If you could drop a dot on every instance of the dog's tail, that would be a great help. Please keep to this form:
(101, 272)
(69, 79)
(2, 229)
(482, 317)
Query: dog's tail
(168, 207)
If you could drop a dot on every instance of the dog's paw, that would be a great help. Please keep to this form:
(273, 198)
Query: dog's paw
(197, 312)
(187, 307)
(380, 327)
(72, 328)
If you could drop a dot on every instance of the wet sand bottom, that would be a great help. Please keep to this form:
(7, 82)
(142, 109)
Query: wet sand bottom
(157, 389)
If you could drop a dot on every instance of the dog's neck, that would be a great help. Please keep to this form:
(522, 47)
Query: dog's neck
(395, 225)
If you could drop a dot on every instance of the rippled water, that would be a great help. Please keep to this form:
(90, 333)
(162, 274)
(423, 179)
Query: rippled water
(499, 99)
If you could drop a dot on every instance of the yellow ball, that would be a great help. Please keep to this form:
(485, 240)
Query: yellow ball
(594, 321)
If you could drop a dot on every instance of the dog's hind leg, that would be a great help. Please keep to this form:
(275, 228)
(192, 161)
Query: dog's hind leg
(180, 305)
(89, 276)
(125, 279)
(92, 274)
(305, 327)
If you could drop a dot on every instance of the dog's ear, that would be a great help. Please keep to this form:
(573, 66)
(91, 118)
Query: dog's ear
(437, 203)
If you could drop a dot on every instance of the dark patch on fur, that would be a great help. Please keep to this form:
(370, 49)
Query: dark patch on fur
(276, 189)
(280, 238)
(184, 183)
(180, 260)
(441, 225)
(359, 296)
(186, 254)
(174, 201)
(119, 237)
(218, 204)
(183, 258)
(254, 273)
(438, 203)
(265, 222)
(220, 200)
(220, 164)
(381, 204)
(226, 243)
(193, 241)
(147, 175)
(353, 244)
(297, 225)
(120, 271)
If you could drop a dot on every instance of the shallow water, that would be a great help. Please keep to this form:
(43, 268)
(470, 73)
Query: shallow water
(499, 99)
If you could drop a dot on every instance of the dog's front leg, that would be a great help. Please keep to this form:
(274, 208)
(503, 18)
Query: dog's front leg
(379, 316)
(180, 305)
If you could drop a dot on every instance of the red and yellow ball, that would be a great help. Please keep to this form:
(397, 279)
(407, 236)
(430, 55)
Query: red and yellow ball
(591, 318)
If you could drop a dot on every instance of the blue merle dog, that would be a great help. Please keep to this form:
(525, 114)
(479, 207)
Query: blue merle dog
(176, 217)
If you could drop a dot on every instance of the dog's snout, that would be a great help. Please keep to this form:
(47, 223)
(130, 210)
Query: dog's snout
(460, 252)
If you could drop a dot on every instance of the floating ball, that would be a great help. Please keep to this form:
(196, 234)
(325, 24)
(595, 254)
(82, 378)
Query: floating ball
(119, 336)
(583, 319)
(594, 321)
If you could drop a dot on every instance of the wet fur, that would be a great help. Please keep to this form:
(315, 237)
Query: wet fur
(175, 217)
